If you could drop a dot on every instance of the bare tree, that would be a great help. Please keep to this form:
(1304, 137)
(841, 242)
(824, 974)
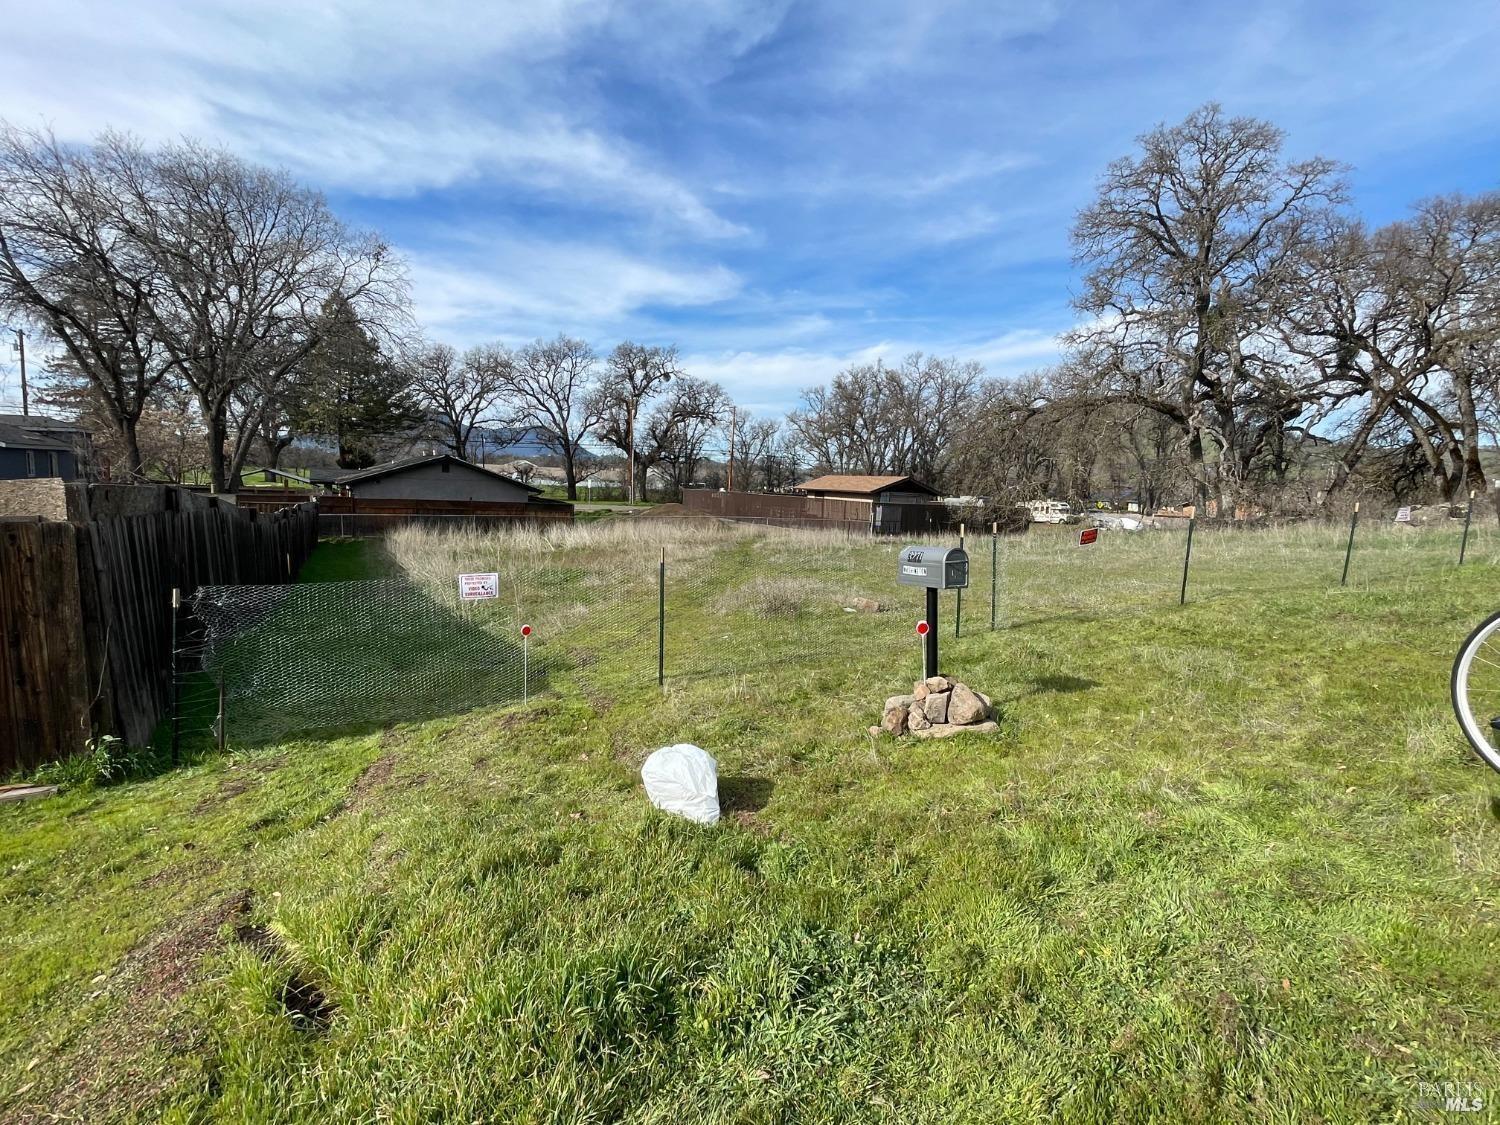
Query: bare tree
(635, 373)
(248, 260)
(551, 387)
(68, 265)
(878, 419)
(1401, 327)
(460, 390)
(678, 429)
(1185, 247)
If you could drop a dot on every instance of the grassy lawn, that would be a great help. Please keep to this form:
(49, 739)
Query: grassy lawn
(1224, 861)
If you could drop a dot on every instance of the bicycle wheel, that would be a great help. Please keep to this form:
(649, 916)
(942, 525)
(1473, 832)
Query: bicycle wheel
(1476, 690)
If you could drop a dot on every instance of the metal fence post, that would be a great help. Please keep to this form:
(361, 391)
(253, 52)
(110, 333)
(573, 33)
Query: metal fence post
(176, 681)
(222, 734)
(661, 620)
(958, 603)
(994, 568)
(1186, 559)
(930, 640)
(1349, 550)
(1463, 546)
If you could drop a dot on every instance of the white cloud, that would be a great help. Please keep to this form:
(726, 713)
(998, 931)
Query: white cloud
(959, 225)
(520, 289)
(379, 98)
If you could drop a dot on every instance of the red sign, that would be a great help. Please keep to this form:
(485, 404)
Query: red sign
(525, 630)
(1088, 535)
(922, 628)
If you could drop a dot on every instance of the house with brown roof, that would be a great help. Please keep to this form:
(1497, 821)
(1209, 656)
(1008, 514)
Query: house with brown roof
(870, 489)
(898, 505)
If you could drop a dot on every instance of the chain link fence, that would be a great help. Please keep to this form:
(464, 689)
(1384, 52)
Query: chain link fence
(611, 612)
(258, 663)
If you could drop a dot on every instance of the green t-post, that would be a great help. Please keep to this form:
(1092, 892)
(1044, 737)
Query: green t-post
(1349, 550)
(1463, 545)
(994, 568)
(958, 605)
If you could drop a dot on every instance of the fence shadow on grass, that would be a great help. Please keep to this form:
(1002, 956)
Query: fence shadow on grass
(347, 657)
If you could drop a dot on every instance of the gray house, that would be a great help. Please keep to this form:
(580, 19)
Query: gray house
(33, 446)
(443, 477)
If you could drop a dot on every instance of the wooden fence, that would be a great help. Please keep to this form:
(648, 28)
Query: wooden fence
(350, 516)
(781, 510)
(86, 613)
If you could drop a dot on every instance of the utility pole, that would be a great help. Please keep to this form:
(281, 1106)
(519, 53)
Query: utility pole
(25, 394)
(734, 417)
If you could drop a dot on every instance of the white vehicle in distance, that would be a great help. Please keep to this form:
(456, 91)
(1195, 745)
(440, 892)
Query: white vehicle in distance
(1112, 521)
(1051, 511)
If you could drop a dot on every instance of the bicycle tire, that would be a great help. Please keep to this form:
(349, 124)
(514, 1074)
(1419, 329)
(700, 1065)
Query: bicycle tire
(1474, 727)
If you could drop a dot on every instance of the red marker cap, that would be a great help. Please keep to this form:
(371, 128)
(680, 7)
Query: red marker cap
(525, 630)
(922, 628)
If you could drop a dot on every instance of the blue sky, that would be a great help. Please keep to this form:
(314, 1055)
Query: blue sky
(778, 188)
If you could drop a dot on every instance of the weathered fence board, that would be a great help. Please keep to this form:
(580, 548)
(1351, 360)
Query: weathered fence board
(44, 694)
(86, 614)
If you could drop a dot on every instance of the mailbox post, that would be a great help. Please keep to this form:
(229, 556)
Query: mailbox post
(934, 569)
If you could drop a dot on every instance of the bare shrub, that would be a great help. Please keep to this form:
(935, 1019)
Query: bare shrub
(782, 597)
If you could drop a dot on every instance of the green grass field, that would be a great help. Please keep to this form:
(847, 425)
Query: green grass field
(1227, 861)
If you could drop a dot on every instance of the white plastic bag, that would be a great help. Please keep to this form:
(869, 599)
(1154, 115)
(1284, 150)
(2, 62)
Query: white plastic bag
(683, 779)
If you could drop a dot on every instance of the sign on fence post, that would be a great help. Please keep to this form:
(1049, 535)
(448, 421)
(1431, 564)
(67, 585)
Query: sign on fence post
(478, 587)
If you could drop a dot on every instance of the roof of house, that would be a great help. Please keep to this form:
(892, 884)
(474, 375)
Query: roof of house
(840, 482)
(41, 422)
(326, 474)
(284, 475)
(409, 463)
(33, 437)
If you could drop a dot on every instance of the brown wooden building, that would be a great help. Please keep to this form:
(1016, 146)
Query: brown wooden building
(882, 505)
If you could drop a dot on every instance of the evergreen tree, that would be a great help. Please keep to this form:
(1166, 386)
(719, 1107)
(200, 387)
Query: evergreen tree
(350, 390)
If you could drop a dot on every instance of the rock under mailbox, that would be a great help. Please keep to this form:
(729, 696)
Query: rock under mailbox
(937, 568)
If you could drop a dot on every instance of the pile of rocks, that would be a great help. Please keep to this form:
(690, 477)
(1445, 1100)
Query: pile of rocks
(937, 707)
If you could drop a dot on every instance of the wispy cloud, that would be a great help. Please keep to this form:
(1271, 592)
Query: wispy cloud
(521, 288)
(377, 98)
